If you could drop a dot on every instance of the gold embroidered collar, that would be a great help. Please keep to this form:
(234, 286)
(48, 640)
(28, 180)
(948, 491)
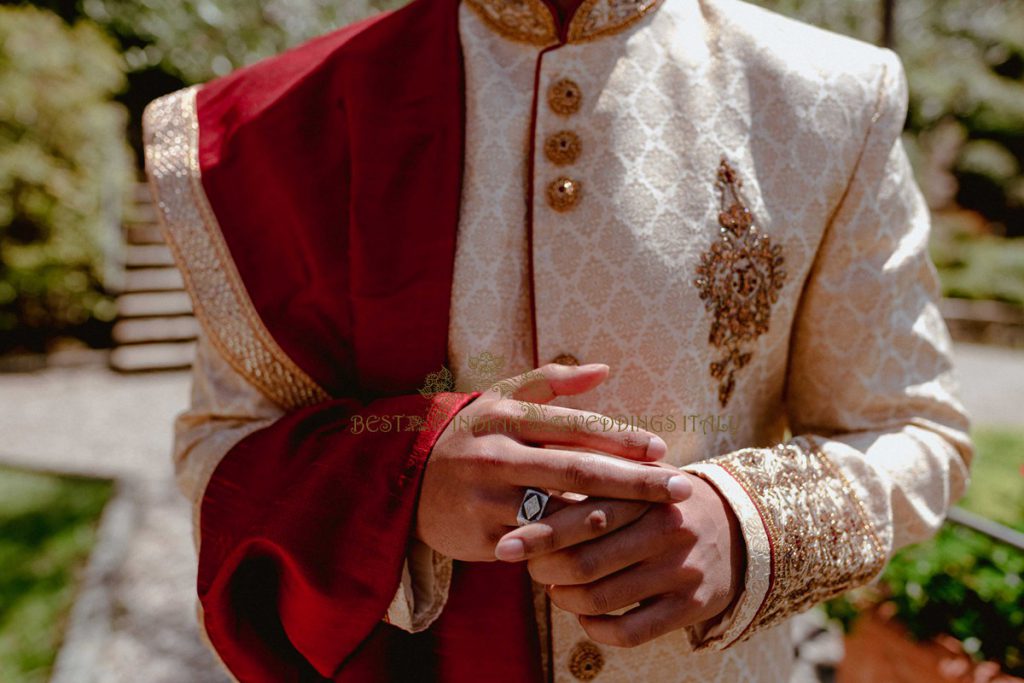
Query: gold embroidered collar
(531, 21)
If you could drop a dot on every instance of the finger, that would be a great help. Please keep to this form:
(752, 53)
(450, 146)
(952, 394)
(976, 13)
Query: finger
(594, 475)
(560, 426)
(588, 562)
(625, 588)
(642, 624)
(546, 382)
(572, 524)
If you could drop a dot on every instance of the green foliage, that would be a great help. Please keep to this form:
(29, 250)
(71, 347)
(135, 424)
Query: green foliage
(64, 166)
(47, 528)
(962, 582)
(972, 266)
(965, 67)
(196, 40)
(965, 584)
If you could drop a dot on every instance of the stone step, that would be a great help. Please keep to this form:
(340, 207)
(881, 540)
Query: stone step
(153, 280)
(140, 213)
(151, 357)
(149, 330)
(147, 256)
(152, 304)
(143, 232)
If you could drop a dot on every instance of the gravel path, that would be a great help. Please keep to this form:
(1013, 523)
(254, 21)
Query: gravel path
(94, 422)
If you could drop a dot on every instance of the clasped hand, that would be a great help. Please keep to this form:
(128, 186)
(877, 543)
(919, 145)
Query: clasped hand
(634, 533)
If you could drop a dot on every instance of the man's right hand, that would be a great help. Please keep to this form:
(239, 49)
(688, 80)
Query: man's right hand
(494, 449)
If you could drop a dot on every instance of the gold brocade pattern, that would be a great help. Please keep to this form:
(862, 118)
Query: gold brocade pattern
(822, 540)
(530, 21)
(597, 18)
(218, 295)
(526, 21)
(739, 279)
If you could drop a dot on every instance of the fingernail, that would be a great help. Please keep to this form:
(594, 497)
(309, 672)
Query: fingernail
(656, 448)
(512, 549)
(593, 366)
(679, 487)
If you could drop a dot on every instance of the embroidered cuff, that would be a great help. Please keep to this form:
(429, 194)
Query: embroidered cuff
(419, 600)
(738, 617)
(820, 537)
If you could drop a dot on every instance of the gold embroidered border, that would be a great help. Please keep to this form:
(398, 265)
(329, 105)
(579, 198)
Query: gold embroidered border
(822, 541)
(757, 577)
(530, 21)
(219, 298)
(525, 21)
(598, 18)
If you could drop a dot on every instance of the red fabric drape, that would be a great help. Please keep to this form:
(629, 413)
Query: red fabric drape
(334, 172)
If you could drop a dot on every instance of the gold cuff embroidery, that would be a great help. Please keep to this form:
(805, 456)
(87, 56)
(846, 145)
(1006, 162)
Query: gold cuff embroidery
(822, 542)
(218, 295)
(739, 279)
(530, 21)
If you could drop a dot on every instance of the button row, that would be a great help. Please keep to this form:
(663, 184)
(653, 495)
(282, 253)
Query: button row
(564, 147)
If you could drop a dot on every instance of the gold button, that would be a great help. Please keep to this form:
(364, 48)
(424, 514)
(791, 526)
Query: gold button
(563, 148)
(565, 97)
(565, 359)
(564, 194)
(586, 661)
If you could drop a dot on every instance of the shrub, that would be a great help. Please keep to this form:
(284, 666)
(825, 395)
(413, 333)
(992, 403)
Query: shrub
(64, 168)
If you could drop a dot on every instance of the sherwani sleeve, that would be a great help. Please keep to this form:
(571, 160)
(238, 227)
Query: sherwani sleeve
(224, 409)
(880, 445)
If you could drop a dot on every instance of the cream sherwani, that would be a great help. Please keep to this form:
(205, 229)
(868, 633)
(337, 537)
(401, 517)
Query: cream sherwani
(718, 206)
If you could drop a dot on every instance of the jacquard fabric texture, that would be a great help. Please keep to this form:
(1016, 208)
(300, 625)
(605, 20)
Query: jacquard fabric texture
(855, 359)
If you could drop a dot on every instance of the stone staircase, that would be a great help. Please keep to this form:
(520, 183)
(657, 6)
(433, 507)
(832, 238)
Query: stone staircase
(155, 329)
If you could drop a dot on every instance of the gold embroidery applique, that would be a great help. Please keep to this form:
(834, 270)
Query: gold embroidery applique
(821, 538)
(739, 278)
(190, 227)
(526, 21)
(597, 18)
(530, 21)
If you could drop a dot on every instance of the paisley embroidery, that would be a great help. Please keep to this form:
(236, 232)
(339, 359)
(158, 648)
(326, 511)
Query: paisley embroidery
(739, 278)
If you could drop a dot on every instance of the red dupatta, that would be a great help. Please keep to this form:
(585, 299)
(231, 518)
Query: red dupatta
(334, 174)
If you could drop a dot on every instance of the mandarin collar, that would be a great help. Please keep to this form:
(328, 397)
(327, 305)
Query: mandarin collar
(536, 21)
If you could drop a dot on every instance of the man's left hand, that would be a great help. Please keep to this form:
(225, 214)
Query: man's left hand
(682, 562)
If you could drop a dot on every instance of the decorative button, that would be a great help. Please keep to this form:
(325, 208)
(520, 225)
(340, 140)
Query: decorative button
(565, 359)
(564, 194)
(563, 148)
(586, 661)
(565, 97)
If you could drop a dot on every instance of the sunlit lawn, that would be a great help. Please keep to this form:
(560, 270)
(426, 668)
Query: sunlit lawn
(997, 476)
(47, 528)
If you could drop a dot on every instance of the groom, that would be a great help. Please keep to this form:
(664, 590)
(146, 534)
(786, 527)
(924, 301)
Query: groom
(646, 207)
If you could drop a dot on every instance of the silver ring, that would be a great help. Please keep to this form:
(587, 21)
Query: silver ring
(532, 507)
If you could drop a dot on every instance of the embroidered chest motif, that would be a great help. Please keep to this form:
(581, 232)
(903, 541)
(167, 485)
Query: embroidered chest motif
(739, 278)
(530, 21)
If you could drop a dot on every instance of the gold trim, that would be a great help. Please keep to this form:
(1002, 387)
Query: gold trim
(821, 537)
(219, 298)
(525, 21)
(598, 18)
(530, 21)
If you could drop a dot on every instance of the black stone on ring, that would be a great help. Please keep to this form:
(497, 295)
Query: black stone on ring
(532, 507)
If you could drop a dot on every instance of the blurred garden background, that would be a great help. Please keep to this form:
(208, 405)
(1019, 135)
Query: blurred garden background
(96, 336)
